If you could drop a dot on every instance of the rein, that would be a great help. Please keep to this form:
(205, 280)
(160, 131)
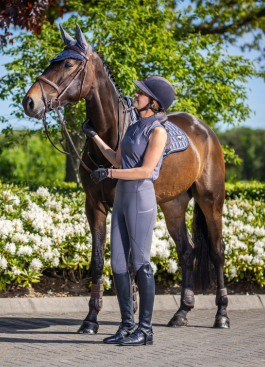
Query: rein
(48, 107)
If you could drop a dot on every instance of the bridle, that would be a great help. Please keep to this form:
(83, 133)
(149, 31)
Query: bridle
(49, 107)
(48, 104)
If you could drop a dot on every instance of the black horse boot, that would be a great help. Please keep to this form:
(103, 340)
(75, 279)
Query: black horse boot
(143, 335)
(124, 294)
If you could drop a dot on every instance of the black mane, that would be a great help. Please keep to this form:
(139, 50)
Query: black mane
(110, 74)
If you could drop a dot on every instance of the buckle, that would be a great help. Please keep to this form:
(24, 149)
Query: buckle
(59, 103)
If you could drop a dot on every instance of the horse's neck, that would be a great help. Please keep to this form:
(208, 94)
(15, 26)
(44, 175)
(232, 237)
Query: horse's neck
(105, 112)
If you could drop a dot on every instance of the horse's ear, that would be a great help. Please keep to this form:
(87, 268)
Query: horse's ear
(81, 39)
(68, 40)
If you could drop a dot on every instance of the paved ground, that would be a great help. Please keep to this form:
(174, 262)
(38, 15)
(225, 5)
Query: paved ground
(50, 340)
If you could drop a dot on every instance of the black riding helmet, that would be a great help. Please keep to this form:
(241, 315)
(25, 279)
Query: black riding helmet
(157, 88)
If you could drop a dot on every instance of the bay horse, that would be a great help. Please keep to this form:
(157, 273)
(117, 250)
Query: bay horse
(197, 172)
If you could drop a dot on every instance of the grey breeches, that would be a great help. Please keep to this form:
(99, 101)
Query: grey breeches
(133, 219)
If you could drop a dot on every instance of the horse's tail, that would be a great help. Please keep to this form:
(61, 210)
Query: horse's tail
(202, 268)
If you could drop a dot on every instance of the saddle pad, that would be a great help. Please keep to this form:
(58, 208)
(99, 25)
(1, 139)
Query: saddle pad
(179, 140)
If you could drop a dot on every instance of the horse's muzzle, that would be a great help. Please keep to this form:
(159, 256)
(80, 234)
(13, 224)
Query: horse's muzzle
(33, 109)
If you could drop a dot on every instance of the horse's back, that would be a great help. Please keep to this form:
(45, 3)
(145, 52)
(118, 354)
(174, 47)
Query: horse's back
(180, 170)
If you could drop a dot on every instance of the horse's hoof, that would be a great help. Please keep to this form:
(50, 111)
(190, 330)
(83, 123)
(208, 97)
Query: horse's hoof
(177, 321)
(88, 327)
(222, 322)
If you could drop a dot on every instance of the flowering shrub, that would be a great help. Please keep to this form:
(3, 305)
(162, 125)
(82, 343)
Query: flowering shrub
(47, 228)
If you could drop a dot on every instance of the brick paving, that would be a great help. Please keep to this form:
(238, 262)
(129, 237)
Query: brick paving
(50, 340)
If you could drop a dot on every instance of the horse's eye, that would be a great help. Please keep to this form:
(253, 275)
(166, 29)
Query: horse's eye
(68, 64)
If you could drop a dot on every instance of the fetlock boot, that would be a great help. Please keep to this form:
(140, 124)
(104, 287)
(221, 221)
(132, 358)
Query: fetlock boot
(143, 335)
(124, 294)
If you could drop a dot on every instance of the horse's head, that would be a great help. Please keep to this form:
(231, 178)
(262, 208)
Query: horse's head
(65, 81)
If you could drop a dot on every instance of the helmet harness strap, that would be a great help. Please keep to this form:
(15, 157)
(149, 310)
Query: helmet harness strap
(149, 106)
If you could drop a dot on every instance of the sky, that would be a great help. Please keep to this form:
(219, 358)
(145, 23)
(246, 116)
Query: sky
(255, 91)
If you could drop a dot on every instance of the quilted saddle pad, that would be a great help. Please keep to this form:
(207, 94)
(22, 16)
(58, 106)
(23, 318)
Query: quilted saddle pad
(179, 140)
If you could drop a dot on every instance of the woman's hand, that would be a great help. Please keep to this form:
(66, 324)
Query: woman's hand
(88, 130)
(99, 175)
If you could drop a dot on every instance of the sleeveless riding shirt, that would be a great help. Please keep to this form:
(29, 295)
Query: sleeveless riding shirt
(134, 144)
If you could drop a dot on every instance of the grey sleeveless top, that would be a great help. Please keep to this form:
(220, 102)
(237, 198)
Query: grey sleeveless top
(134, 144)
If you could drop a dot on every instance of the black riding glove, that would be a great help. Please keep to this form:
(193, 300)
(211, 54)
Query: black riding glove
(99, 175)
(88, 130)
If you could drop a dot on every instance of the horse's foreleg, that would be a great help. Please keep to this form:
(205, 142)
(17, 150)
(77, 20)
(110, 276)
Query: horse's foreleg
(97, 221)
(174, 212)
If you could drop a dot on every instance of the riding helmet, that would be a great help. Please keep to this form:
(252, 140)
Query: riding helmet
(159, 89)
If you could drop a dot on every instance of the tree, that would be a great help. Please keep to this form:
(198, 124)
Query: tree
(35, 160)
(206, 83)
(228, 19)
(27, 14)
(250, 146)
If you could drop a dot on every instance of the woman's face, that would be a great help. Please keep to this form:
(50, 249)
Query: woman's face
(141, 99)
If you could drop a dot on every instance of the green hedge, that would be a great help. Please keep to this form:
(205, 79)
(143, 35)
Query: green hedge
(242, 189)
(245, 189)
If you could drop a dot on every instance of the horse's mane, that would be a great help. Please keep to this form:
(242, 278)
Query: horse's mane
(110, 74)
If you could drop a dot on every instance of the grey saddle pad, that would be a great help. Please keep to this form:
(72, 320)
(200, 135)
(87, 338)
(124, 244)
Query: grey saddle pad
(179, 140)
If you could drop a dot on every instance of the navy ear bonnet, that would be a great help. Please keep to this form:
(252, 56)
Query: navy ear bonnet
(80, 43)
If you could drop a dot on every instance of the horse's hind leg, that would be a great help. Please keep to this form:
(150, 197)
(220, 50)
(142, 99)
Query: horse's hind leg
(174, 212)
(97, 221)
(208, 220)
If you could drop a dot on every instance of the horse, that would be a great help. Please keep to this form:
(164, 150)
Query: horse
(197, 172)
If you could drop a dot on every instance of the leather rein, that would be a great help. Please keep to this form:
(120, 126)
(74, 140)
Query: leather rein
(48, 107)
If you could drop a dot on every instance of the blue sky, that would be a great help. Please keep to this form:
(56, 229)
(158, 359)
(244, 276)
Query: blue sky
(255, 89)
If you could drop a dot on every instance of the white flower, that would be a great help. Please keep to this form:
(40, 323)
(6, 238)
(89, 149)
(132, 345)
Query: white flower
(15, 270)
(10, 247)
(107, 263)
(24, 250)
(9, 208)
(107, 281)
(172, 266)
(43, 192)
(48, 255)
(232, 272)
(3, 263)
(55, 261)
(154, 267)
(260, 232)
(20, 237)
(35, 264)
(6, 195)
(6, 227)
(53, 204)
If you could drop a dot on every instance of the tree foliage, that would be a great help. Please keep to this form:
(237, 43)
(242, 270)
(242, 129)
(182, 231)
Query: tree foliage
(27, 14)
(230, 20)
(208, 82)
(250, 146)
(35, 161)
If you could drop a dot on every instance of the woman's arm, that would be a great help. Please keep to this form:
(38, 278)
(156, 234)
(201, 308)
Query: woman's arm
(113, 157)
(152, 155)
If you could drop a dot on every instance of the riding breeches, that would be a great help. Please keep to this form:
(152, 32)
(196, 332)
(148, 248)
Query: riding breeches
(133, 219)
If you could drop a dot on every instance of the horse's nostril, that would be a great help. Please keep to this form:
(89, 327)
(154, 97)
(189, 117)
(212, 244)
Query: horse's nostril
(30, 103)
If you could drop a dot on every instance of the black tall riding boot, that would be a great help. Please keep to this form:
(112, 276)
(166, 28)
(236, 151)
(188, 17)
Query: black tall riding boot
(124, 294)
(143, 335)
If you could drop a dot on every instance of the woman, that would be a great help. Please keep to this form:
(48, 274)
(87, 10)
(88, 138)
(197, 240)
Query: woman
(140, 156)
